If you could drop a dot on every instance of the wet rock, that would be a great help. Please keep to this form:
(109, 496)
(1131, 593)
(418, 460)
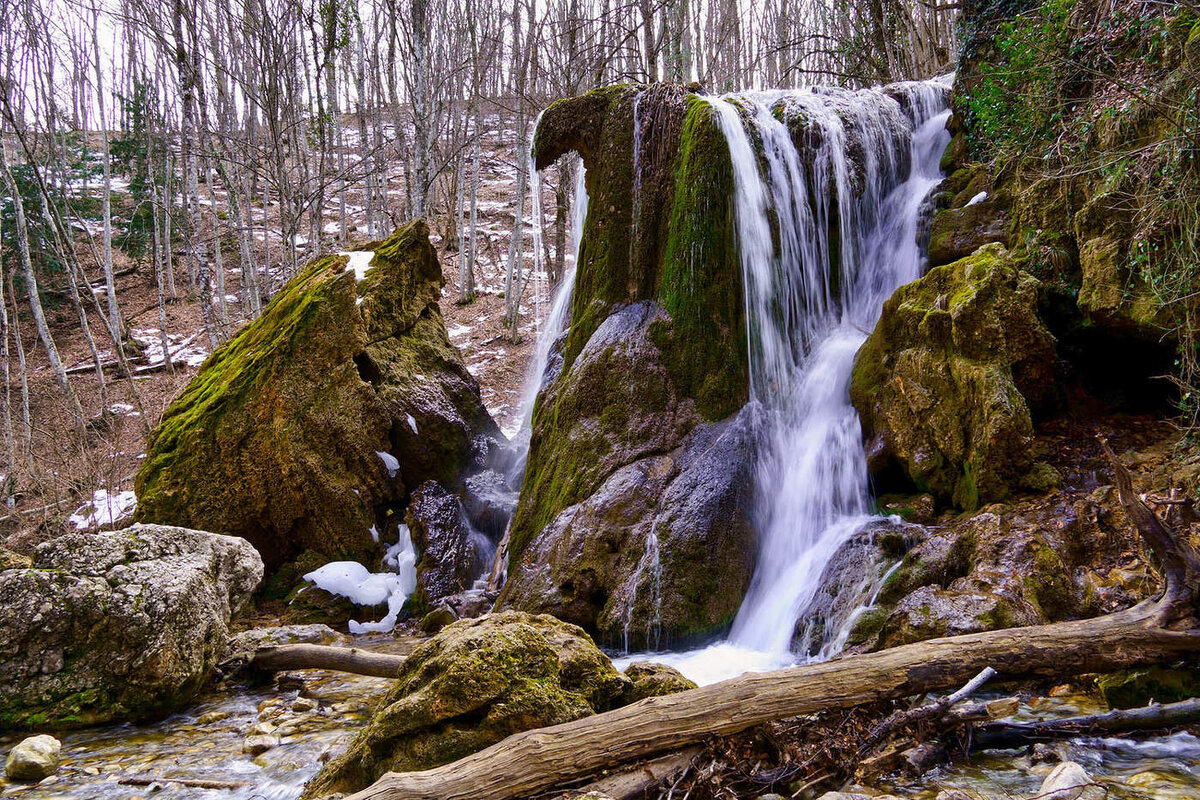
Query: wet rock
(33, 759)
(278, 437)
(303, 704)
(489, 502)
(259, 743)
(212, 717)
(437, 619)
(959, 232)
(650, 679)
(1070, 781)
(945, 383)
(929, 613)
(660, 552)
(471, 603)
(117, 625)
(470, 686)
(449, 557)
(1133, 688)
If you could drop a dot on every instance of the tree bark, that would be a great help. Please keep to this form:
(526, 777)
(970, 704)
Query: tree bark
(318, 656)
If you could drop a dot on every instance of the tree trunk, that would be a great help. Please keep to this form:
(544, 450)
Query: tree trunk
(317, 656)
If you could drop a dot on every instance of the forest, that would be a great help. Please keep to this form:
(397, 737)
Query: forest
(600, 399)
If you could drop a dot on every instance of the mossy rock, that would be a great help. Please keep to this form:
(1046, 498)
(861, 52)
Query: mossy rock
(946, 382)
(473, 684)
(277, 437)
(1134, 688)
(650, 679)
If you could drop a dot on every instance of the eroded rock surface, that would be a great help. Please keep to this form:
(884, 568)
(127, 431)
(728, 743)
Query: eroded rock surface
(117, 626)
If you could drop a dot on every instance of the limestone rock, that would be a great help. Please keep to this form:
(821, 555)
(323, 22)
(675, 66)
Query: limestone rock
(33, 759)
(945, 383)
(470, 686)
(650, 679)
(279, 436)
(245, 643)
(959, 232)
(489, 501)
(118, 625)
(1070, 781)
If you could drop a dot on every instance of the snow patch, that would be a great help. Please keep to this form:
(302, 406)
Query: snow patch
(412, 423)
(360, 262)
(979, 198)
(104, 509)
(351, 580)
(390, 461)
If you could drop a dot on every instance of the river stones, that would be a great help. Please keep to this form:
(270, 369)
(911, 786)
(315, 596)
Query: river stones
(33, 759)
(470, 686)
(946, 382)
(121, 625)
(1070, 781)
(324, 413)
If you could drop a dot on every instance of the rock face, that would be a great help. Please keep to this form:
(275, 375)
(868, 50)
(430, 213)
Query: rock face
(1006, 566)
(945, 384)
(33, 759)
(278, 439)
(450, 556)
(653, 372)
(117, 626)
(470, 686)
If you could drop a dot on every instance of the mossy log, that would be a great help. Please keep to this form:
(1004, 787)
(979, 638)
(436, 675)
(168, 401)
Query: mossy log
(1154, 631)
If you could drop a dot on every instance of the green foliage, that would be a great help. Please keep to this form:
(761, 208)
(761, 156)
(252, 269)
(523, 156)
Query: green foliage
(1009, 103)
(132, 154)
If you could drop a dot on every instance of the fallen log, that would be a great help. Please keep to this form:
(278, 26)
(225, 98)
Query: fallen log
(526, 763)
(1150, 718)
(633, 784)
(280, 658)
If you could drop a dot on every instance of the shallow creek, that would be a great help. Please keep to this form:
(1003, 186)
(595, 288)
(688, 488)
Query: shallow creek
(206, 741)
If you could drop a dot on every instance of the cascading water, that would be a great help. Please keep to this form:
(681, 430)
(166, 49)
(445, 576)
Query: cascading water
(825, 236)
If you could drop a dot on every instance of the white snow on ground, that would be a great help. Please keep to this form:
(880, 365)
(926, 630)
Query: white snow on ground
(104, 509)
(183, 351)
(124, 409)
(412, 423)
(979, 198)
(360, 262)
(351, 580)
(389, 461)
(458, 330)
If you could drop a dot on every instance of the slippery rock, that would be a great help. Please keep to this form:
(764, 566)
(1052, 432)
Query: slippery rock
(1070, 781)
(119, 625)
(449, 557)
(33, 759)
(945, 384)
(470, 686)
(336, 403)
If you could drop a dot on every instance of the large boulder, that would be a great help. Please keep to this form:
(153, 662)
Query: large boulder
(451, 553)
(653, 365)
(322, 414)
(946, 382)
(116, 626)
(475, 683)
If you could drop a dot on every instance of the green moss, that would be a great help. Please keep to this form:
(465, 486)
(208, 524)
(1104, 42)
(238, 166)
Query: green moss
(1134, 688)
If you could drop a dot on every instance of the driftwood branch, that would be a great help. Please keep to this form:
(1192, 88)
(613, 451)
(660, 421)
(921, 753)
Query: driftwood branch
(526, 763)
(279, 658)
(1150, 718)
(930, 711)
(191, 783)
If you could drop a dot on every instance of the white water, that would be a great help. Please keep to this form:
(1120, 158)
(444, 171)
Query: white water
(810, 306)
(560, 309)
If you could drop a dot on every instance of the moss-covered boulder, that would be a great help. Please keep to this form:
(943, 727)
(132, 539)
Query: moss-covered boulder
(117, 626)
(322, 414)
(945, 383)
(470, 686)
(654, 364)
(650, 679)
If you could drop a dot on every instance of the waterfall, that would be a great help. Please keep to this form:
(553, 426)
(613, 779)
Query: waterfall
(560, 307)
(827, 230)
(814, 492)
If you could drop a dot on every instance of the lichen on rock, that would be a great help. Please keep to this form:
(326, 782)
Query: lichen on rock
(117, 626)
